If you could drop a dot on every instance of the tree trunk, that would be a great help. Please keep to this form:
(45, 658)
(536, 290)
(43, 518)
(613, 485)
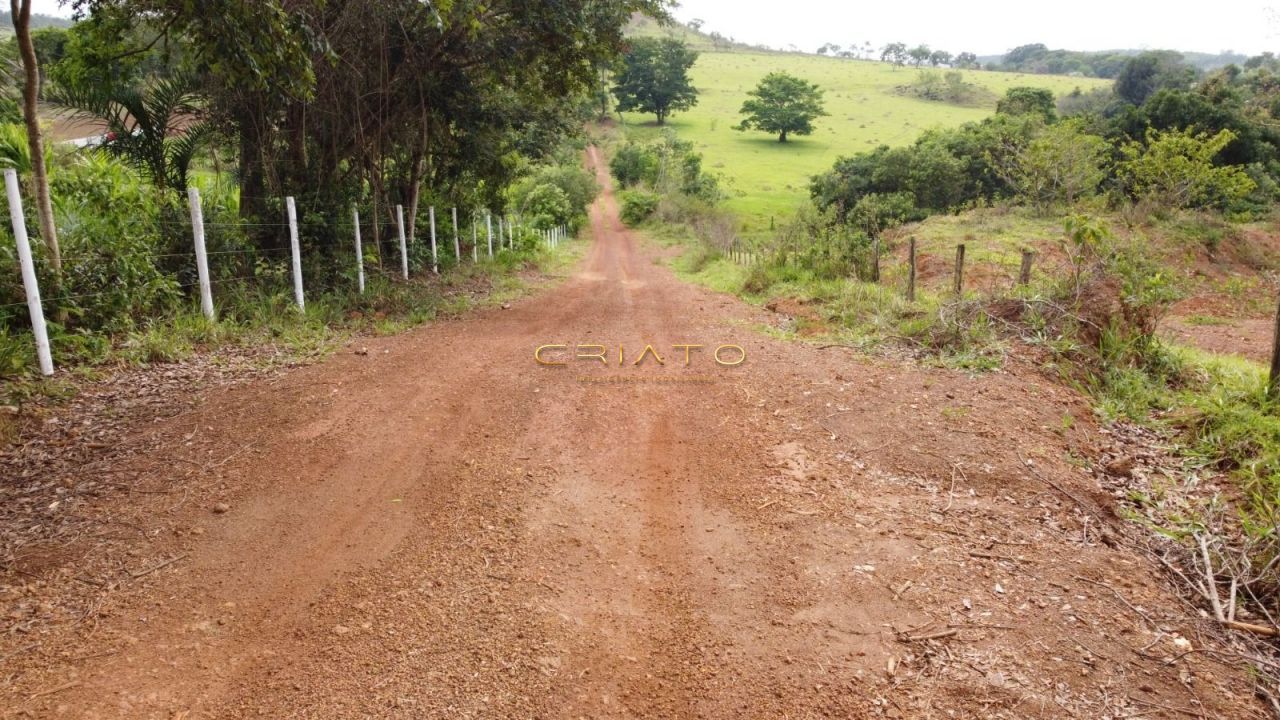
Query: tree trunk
(782, 137)
(253, 186)
(662, 118)
(21, 10)
(415, 179)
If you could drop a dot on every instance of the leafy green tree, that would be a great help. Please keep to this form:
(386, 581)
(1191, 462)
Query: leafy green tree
(1028, 101)
(920, 54)
(966, 61)
(654, 78)
(545, 206)
(783, 104)
(876, 212)
(1059, 166)
(895, 53)
(1023, 54)
(1151, 71)
(939, 57)
(1176, 169)
(633, 164)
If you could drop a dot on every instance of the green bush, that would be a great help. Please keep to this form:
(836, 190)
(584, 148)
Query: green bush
(633, 164)
(637, 206)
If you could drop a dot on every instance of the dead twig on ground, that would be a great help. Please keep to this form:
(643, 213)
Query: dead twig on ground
(153, 568)
(940, 634)
(53, 690)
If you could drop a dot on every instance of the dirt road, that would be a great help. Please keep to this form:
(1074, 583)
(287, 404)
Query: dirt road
(444, 528)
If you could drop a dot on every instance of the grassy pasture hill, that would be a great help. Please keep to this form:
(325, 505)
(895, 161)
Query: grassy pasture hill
(766, 179)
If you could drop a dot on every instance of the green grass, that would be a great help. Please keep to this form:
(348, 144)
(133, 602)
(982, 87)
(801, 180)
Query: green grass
(767, 179)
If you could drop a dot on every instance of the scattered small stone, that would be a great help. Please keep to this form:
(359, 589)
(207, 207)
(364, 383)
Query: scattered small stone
(221, 508)
(362, 351)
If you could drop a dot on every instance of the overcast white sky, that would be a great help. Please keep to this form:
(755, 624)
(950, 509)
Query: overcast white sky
(986, 27)
(989, 27)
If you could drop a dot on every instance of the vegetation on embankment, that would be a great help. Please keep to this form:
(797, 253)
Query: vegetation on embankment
(459, 107)
(1128, 204)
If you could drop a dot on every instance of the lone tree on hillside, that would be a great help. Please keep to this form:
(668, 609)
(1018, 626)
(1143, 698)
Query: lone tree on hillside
(782, 104)
(654, 78)
(895, 53)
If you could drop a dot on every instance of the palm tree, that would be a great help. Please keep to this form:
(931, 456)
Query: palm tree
(151, 126)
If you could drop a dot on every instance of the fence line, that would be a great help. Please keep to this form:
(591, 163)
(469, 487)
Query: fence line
(205, 282)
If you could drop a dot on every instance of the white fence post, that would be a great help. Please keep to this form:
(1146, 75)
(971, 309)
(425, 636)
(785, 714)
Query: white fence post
(502, 236)
(38, 329)
(404, 248)
(488, 226)
(355, 220)
(296, 249)
(435, 259)
(511, 233)
(457, 247)
(202, 256)
(475, 240)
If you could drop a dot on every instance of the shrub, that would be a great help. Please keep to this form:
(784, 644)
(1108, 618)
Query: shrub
(1175, 168)
(633, 164)
(637, 206)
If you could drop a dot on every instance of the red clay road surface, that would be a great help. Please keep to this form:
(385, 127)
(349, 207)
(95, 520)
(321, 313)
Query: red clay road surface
(442, 528)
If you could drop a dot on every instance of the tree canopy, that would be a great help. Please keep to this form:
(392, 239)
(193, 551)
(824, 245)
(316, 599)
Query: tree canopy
(654, 78)
(784, 105)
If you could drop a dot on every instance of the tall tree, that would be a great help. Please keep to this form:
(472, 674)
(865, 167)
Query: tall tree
(783, 104)
(21, 13)
(895, 53)
(1144, 74)
(920, 54)
(654, 78)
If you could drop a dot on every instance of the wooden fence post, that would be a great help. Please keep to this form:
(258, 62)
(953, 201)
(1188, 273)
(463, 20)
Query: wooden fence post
(295, 249)
(1273, 380)
(29, 283)
(457, 246)
(959, 284)
(1024, 274)
(911, 269)
(202, 255)
(488, 225)
(435, 258)
(355, 222)
(875, 260)
(404, 247)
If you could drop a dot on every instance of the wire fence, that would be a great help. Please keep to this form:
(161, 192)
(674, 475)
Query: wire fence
(970, 266)
(489, 235)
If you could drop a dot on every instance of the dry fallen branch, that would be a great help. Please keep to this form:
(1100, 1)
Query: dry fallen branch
(929, 636)
(1209, 589)
(153, 568)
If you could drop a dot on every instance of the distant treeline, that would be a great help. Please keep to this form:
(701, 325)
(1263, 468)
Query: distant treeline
(1037, 58)
(37, 21)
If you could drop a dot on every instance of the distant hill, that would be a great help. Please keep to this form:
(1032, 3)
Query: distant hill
(642, 26)
(37, 21)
